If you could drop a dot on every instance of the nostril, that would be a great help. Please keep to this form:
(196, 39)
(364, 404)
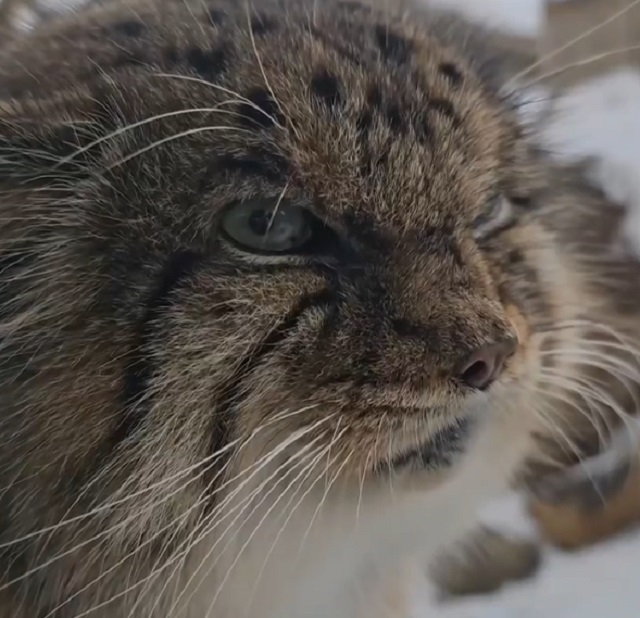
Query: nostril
(484, 365)
(478, 375)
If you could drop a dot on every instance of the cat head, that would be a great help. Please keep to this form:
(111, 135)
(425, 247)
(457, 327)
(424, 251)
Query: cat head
(268, 235)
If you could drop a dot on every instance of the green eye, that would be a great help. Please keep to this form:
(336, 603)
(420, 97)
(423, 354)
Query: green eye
(497, 215)
(268, 226)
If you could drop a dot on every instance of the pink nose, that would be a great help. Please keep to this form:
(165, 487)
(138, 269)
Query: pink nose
(484, 365)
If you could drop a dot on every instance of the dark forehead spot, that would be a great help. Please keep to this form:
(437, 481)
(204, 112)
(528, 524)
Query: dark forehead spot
(373, 102)
(327, 88)
(171, 56)
(364, 120)
(260, 110)
(390, 110)
(374, 161)
(392, 46)
(261, 24)
(515, 256)
(130, 28)
(451, 72)
(244, 164)
(215, 17)
(394, 117)
(423, 130)
(206, 63)
(444, 107)
(374, 97)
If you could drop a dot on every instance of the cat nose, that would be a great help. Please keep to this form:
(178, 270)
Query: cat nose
(484, 365)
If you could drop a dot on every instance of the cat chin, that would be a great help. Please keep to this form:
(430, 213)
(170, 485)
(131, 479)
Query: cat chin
(444, 449)
(357, 542)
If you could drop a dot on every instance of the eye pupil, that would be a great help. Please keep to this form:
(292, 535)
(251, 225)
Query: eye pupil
(259, 222)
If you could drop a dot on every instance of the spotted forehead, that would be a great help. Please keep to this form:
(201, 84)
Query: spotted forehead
(369, 109)
(380, 116)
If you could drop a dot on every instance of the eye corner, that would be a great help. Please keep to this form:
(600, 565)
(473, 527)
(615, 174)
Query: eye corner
(496, 215)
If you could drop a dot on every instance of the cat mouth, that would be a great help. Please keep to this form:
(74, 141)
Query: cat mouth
(440, 451)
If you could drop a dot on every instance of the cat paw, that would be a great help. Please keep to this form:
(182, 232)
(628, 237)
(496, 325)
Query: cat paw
(483, 562)
(589, 502)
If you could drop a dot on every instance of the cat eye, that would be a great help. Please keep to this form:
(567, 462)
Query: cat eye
(273, 226)
(497, 215)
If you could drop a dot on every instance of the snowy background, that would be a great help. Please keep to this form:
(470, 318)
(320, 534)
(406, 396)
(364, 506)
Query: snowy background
(602, 118)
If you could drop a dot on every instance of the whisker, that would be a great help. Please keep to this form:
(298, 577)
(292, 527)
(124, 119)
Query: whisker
(328, 483)
(566, 385)
(580, 63)
(176, 477)
(141, 123)
(572, 42)
(204, 82)
(219, 508)
(275, 210)
(121, 525)
(304, 495)
(156, 572)
(196, 21)
(262, 70)
(251, 537)
(231, 526)
(172, 138)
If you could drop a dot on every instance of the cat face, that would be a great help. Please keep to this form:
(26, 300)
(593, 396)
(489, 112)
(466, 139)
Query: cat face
(234, 235)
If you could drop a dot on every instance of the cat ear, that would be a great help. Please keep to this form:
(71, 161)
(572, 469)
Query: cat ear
(496, 56)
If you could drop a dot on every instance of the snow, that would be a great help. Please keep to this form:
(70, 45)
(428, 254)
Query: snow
(522, 17)
(595, 583)
(600, 118)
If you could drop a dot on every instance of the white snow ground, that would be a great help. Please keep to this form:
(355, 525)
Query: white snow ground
(600, 118)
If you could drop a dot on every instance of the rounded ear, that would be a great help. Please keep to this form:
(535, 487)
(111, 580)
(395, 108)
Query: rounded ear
(496, 56)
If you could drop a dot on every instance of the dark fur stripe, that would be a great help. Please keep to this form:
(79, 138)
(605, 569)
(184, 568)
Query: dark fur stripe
(266, 166)
(436, 454)
(222, 429)
(269, 344)
(140, 370)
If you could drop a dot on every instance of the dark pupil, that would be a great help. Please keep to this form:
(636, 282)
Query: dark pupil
(259, 222)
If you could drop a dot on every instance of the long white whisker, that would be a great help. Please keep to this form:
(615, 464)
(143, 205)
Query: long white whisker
(172, 138)
(252, 536)
(577, 39)
(204, 82)
(141, 123)
(309, 489)
(233, 525)
(219, 508)
(174, 478)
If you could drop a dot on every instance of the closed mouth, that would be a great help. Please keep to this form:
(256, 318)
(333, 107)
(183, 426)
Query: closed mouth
(438, 452)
